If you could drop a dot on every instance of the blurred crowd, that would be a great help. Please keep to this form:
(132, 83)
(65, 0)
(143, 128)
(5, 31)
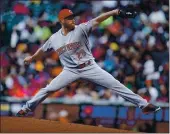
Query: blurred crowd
(134, 51)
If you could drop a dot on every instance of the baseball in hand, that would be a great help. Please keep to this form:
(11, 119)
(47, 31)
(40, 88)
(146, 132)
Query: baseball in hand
(28, 60)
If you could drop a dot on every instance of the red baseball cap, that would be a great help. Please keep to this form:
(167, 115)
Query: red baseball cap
(64, 13)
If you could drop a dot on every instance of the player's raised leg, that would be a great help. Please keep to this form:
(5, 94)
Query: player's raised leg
(62, 80)
(103, 78)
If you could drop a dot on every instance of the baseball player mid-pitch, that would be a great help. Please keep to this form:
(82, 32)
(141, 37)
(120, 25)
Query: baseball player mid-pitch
(72, 45)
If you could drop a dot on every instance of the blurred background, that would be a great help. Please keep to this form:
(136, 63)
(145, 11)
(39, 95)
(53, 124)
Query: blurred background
(134, 51)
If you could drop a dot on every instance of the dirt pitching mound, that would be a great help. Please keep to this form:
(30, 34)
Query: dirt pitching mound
(30, 125)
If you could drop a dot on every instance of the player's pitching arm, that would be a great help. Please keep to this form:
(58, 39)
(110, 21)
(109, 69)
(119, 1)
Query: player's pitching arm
(117, 12)
(39, 53)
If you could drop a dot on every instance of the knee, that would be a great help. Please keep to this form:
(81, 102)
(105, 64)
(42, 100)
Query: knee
(50, 88)
(46, 90)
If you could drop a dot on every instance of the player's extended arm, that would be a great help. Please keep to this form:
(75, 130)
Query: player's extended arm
(96, 21)
(117, 12)
(39, 53)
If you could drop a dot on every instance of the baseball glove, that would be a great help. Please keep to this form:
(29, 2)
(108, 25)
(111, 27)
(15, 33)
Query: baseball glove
(128, 13)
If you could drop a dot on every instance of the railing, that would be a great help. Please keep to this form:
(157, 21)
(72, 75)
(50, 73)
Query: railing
(71, 101)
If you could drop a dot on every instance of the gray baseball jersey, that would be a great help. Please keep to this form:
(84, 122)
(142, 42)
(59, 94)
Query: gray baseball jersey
(73, 50)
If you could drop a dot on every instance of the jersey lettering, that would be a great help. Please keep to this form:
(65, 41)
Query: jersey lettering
(80, 54)
(61, 50)
(68, 47)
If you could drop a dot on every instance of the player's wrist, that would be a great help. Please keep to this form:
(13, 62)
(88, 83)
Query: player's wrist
(115, 12)
(32, 58)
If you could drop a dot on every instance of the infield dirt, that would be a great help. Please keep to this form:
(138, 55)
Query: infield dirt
(32, 125)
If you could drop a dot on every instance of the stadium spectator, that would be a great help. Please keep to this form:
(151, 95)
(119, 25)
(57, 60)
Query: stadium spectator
(132, 50)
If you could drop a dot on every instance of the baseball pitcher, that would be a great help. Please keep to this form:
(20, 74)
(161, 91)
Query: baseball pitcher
(72, 45)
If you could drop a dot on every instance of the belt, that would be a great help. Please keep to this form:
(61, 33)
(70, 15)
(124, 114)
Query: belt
(84, 64)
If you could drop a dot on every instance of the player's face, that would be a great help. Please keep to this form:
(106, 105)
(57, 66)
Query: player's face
(69, 22)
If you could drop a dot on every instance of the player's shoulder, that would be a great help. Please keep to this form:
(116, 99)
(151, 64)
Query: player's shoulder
(79, 26)
(85, 25)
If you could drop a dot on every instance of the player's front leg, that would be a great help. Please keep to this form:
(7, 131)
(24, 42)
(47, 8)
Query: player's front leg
(62, 80)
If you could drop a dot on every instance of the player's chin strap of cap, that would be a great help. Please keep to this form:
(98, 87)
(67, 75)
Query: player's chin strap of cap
(85, 64)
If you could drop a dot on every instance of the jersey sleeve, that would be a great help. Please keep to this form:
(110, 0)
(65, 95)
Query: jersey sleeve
(87, 27)
(47, 45)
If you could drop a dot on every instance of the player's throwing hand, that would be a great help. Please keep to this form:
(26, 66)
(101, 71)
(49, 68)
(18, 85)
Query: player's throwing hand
(28, 60)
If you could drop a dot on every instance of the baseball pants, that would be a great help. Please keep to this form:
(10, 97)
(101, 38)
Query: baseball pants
(92, 73)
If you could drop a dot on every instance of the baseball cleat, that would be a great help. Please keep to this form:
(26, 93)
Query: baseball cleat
(22, 113)
(150, 108)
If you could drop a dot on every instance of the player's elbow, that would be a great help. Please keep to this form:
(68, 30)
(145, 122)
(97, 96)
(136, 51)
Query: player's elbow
(95, 23)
